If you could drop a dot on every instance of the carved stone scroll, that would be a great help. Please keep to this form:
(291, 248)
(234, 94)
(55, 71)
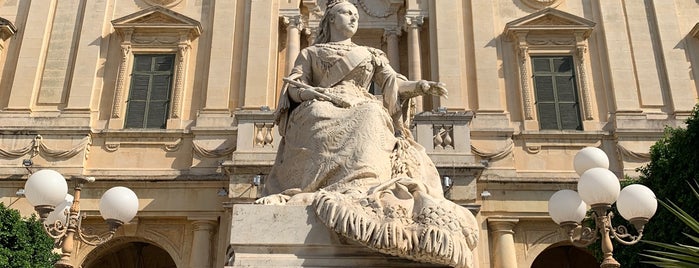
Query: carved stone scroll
(121, 77)
(182, 50)
(524, 84)
(581, 50)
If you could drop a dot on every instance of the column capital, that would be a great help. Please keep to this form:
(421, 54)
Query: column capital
(414, 22)
(292, 21)
(204, 224)
(505, 225)
(203, 219)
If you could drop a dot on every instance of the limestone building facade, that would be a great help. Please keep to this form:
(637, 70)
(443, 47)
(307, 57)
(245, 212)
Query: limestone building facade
(174, 99)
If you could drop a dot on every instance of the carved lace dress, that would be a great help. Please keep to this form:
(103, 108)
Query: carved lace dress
(381, 191)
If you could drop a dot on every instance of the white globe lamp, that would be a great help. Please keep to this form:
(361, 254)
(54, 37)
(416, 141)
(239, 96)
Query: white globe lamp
(590, 157)
(118, 205)
(565, 206)
(44, 190)
(598, 187)
(637, 204)
(60, 214)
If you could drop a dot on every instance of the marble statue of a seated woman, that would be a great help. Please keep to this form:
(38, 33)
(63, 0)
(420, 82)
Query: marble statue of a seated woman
(350, 156)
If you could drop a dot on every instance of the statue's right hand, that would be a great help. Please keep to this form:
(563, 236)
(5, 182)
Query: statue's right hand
(314, 93)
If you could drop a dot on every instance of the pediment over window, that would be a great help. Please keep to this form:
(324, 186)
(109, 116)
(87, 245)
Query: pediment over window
(549, 21)
(158, 19)
(695, 31)
(7, 29)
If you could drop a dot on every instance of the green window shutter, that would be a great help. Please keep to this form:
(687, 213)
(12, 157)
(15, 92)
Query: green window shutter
(149, 96)
(548, 118)
(138, 96)
(160, 98)
(556, 93)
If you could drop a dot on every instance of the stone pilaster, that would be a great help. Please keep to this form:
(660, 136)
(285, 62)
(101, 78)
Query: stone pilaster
(502, 231)
(413, 24)
(390, 36)
(294, 26)
(201, 242)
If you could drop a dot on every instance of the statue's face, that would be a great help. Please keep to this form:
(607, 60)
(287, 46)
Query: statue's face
(346, 19)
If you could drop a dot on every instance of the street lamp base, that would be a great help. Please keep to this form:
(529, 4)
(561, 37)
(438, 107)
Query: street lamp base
(63, 264)
(609, 262)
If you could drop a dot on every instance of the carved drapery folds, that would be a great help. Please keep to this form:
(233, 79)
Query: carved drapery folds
(37, 146)
(550, 31)
(154, 30)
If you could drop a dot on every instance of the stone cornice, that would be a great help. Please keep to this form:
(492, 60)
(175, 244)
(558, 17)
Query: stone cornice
(549, 20)
(158, 19)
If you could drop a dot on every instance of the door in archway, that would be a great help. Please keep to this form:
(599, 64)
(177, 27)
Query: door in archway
(565, 257)
(132, 255)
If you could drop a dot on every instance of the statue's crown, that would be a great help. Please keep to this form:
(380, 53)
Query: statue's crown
(332, 3)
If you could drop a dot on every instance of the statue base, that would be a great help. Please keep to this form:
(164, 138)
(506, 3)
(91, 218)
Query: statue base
(292, 236)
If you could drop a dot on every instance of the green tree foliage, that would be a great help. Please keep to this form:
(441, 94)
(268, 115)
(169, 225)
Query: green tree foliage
(677, 254)
(23, 242)
(674, 162)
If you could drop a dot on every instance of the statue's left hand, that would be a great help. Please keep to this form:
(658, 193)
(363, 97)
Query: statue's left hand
(432, 88)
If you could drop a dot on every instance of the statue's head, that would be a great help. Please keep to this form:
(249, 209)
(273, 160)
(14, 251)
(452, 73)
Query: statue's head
(341, 15)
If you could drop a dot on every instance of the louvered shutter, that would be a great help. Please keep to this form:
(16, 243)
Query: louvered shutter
(545, 95)
(556, 93)
(149, 97)
(138, 98)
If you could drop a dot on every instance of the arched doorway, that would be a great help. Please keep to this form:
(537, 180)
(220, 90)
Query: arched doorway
(565, 256)
(130, 255)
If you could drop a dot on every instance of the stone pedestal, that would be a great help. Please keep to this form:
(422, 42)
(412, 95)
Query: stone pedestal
(292, 236)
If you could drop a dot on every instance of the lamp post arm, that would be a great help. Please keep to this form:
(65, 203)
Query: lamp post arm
(94, 240)
(587, 235)
(621, 234)
(56, 230)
